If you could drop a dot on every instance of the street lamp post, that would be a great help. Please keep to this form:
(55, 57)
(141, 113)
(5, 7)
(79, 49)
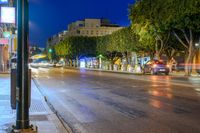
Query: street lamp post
(22, 89)
(22, 121)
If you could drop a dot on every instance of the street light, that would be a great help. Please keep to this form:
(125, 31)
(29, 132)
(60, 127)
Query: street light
(22, 89)
(197, 45)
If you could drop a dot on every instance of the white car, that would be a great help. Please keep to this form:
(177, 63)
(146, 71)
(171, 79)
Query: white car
(59, 64)
(41, 63)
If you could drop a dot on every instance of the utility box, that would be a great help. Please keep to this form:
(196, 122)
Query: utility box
(14, 86)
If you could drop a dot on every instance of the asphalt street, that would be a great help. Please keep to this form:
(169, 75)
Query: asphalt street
(100, 102)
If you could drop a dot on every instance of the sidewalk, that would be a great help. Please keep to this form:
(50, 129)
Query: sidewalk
(40, 113)
(6, 72)
(181, 73)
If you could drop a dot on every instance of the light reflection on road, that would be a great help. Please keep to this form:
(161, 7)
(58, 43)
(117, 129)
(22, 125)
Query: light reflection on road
(98, 97)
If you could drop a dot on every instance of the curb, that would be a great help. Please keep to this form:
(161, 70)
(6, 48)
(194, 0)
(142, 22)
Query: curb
(63, 122)
(5, 73)
(130, 73)
(108, 71)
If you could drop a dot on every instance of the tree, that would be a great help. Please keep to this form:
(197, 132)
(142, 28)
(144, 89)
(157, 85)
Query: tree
(184, 22)
(153, 38)
(63, 49)
(179, 18)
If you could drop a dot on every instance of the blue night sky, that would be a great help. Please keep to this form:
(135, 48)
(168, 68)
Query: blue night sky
(48, 17)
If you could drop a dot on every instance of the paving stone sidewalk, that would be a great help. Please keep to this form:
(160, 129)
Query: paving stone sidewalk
(40, 113)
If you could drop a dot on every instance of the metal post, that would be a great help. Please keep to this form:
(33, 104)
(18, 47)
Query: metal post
(22, 99)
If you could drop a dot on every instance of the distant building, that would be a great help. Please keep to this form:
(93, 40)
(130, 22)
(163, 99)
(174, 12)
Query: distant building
(87, 27)
(92, 27)
(34, 50)
(56, 38)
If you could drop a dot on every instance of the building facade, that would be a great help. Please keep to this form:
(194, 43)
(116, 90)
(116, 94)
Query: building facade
(86, 27)
(92, 27)
(7, 40)
(56, 38)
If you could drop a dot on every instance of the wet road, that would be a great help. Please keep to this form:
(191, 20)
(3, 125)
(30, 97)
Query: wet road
(99, 102)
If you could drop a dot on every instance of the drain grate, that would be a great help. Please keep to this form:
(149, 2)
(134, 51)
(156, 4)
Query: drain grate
(37, 106)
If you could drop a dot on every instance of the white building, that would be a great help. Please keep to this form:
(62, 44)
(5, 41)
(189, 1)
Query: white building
(56, 38)
(86, 27)
(92, 27)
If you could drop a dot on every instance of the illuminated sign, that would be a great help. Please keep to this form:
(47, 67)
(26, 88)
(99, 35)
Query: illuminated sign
(4, 41)
(7, 15)
(3, 1)
(6, 34)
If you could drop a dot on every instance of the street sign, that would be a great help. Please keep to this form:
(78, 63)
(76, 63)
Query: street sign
(6, 34)
(4, 41)
(8, 15)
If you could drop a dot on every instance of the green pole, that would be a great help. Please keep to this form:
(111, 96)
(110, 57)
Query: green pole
(22, 121)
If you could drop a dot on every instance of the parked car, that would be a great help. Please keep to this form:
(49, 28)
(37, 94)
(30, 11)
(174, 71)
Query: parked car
(155, 67)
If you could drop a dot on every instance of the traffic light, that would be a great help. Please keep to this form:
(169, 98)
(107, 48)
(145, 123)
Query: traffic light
(50, 50)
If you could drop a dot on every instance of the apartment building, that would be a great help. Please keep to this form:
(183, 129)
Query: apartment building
(86, 27)
(92, 27)
(56, 38)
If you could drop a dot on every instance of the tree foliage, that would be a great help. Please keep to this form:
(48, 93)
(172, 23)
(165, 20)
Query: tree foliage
(120, 41)
(158, 20)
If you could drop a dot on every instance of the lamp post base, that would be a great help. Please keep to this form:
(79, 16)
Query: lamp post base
(32, 129)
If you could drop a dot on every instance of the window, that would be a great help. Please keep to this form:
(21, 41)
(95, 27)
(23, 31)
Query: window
(78, 32)
(81, 25)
